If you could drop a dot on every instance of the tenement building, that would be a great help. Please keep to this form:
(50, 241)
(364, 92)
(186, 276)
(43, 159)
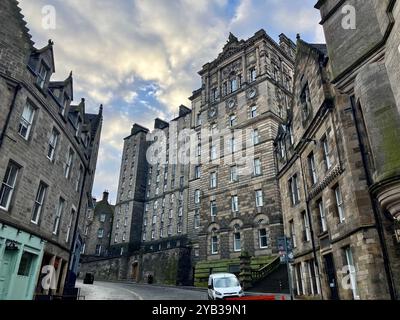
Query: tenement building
(327, 210)
(234, 198)
(48, 154)
(98, 227)
(363, 43)
(199, 190)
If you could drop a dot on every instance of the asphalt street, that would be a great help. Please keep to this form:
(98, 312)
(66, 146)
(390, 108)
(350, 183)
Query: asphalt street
(132, 291)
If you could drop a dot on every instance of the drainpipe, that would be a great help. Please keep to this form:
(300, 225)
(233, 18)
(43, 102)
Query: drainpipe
(375, 206)
(3, 132)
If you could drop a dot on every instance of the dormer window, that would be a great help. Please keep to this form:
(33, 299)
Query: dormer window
(305, 102)
(42, 75)
(78, 127)
(65, 104)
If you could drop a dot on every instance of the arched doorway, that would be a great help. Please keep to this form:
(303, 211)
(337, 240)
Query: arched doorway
(135, 269)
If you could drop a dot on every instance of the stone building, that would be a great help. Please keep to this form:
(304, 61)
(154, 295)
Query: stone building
(129, 208)
(363, 43)
(98, 227)
(234, 200)
(48, 154)
(325, 202)
(169, 211)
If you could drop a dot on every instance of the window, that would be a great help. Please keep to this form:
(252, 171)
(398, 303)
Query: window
(306, 227)
(255, 136)
(57, 219)
(214, 244)
(257, 167)
(25, 265)
(234, 203)
(232, 145)
(326, 152)
(213, 208)
(214, 94)
(232, 120)
(70, 223)
(144, 237)
(305, 101)
(233, 174)
(25, 123)
(180, 212)
(153, 234)
(79, 180)
(65, 105)
(181, 179)
(98, 249)
(78, 127)
(197, 172)
(102, 217)
(42, 75)
(340, 204)
(237, 246)
(253, 74)
(198, 119)
(213, 180)
(259, 198)
(179, 228)
(197, 219)
(116, 238)
(161, 232)
(197, 197)
(170, 214)
(312, 169)
(263, 239)
(253, 111)
(68, 165)
(154, 221)
(233, 85)
(100, 233)
(282, 149)
(321, 210)
(169, 230)
(290, 132)
(86, 230)
(52, 144)
(293, 234)
(124, 237)
(294, 190)
(83, 248)
(39, 201)
(213, 152)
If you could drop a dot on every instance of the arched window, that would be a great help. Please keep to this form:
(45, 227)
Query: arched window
(237, 242)
(214, 242)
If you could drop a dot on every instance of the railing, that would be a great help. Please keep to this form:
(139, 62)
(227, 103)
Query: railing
(257, 275)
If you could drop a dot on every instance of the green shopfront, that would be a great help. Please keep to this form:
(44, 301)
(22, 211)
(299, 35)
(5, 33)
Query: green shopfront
(20, 259)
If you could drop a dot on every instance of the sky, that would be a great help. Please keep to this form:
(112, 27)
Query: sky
(140, 58)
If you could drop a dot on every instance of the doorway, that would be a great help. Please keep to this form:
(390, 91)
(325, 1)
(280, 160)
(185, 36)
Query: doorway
(135, 267)
(331, 276)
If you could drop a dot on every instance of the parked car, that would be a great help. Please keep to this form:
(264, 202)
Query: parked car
(224, 285)
(89, 278)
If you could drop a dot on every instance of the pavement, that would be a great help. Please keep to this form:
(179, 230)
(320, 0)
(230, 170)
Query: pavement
(122, 290)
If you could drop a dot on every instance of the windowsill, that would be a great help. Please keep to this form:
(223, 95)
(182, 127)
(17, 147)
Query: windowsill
(263, 248)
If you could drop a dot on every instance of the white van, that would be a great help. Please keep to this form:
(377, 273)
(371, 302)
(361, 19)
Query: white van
(223, 285)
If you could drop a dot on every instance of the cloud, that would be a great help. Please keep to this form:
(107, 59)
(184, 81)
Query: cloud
(127, 52)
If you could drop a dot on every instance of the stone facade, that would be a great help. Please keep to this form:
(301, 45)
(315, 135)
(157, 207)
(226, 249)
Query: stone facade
(97, 232)
(365, 69)
(326, 207)
(128, 217)
(246, 92)
(48, 155)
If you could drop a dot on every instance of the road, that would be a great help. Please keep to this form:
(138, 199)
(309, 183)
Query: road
(132, 291)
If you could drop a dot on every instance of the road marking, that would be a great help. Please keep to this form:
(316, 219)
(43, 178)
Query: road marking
(135, 294)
